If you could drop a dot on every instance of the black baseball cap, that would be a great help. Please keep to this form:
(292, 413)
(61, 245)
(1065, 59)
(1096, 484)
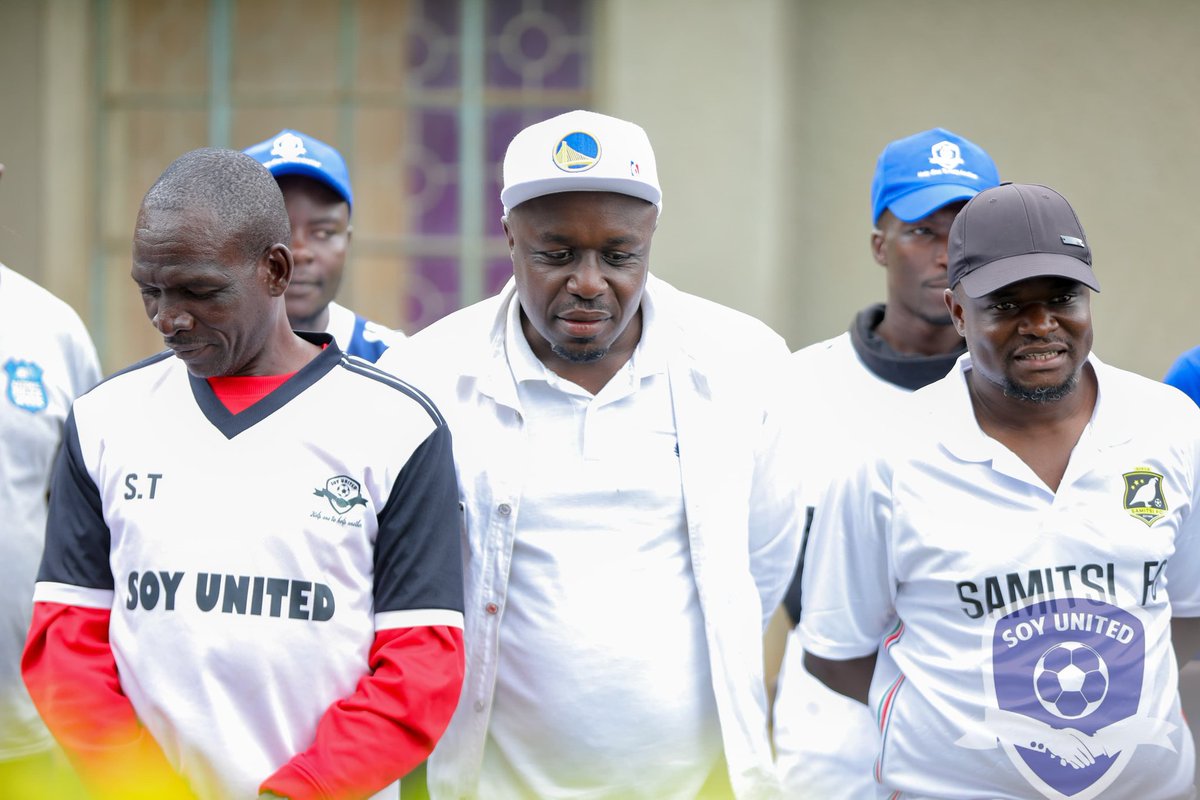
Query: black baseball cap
(1013, 232)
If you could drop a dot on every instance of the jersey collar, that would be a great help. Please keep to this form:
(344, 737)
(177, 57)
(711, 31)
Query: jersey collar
(232, 424)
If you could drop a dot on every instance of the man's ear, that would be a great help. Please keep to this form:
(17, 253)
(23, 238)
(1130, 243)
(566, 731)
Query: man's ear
(508, 235)
(956, 312)
(877, 241)
(277, 264)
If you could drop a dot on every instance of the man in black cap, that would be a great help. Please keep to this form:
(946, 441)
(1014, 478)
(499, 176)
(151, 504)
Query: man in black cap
(1012, 578)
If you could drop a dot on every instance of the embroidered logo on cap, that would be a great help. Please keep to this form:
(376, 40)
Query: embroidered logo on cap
(290, 148)
(576, 152)
(945, 155)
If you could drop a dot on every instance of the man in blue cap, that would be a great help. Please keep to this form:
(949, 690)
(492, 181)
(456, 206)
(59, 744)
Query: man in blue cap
(316, 189)
(826, 743)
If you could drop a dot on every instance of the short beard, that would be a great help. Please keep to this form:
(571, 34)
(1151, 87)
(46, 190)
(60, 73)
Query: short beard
(585, 356)
(1042, 394)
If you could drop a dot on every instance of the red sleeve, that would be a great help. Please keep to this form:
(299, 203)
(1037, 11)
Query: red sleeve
(71, 675)
(388, 726)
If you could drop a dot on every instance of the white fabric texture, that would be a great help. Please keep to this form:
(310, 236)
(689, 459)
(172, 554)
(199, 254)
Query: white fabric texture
(743, 524)
(1009, 594)
(826, 743)
(48, 359)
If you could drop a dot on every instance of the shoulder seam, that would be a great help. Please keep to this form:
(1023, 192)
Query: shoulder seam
(145, 362)
(369, 370)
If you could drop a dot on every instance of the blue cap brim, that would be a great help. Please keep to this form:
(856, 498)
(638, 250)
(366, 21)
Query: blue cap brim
(308, 171)
(923, 202)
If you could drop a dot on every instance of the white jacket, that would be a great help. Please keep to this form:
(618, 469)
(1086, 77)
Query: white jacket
(742, 520)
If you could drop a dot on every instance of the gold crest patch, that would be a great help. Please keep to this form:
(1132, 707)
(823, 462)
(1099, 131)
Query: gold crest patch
(1144, 498)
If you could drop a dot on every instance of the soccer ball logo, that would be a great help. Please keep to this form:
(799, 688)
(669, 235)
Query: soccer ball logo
(1071, 680)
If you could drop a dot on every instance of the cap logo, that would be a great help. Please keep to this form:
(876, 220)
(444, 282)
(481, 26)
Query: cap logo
(576, 152)
(1074, 240)
(289, 147)
(945, 155)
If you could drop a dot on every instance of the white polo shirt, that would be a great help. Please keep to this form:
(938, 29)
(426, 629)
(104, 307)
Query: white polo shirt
(602, 614)
(1032, 657)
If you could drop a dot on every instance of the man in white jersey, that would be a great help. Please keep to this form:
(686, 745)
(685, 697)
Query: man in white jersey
(316, 188)
(1021, 557)
(825, 743)
(626, 539)
(250, 585)
(48, 360)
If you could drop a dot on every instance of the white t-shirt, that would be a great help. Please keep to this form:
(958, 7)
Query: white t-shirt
(47, 359)
(1032, 656)
(601, 614)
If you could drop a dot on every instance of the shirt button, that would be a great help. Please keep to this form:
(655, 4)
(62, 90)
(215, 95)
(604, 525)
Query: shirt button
(479, 705)
(491, 608)
(505, 509)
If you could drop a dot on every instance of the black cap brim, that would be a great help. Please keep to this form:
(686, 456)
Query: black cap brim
(1002, 272)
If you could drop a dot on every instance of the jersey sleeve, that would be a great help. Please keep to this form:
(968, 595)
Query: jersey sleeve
(848, 580)
(401, 709)
(71, 675)
(418, 552)
(75, 562)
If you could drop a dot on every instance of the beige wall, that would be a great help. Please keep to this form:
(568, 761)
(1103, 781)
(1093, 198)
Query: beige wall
(767, 116)
(1093, 97)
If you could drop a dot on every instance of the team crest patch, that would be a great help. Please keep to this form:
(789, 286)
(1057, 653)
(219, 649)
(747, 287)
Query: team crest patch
(1144, 498)
(576, 152)
(25, 386)
(342, 492)
(945, 155)
(1067, 681)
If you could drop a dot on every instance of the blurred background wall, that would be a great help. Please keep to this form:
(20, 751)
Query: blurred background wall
(766, 116)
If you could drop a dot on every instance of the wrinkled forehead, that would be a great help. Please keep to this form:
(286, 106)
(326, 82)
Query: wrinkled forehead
(180, 236)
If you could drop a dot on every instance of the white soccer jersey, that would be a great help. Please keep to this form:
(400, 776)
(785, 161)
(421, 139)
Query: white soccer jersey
(1032, 657)
(48, 359)
(249, 559)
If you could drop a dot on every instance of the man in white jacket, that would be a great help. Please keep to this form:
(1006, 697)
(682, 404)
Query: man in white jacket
(627, 527)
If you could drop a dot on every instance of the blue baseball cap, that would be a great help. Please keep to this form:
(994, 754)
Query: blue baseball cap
(291, 152)
(919, 174)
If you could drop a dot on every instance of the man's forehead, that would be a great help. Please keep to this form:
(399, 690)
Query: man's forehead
(182, 237)
(155, 221)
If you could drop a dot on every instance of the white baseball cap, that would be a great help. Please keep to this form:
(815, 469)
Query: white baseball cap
(580, 151)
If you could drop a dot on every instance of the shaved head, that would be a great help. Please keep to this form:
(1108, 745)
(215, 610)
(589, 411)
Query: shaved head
(233, 192)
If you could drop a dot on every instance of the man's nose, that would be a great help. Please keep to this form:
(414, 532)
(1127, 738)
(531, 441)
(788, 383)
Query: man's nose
(171, 319)
(1038, 320)
(588, 278)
